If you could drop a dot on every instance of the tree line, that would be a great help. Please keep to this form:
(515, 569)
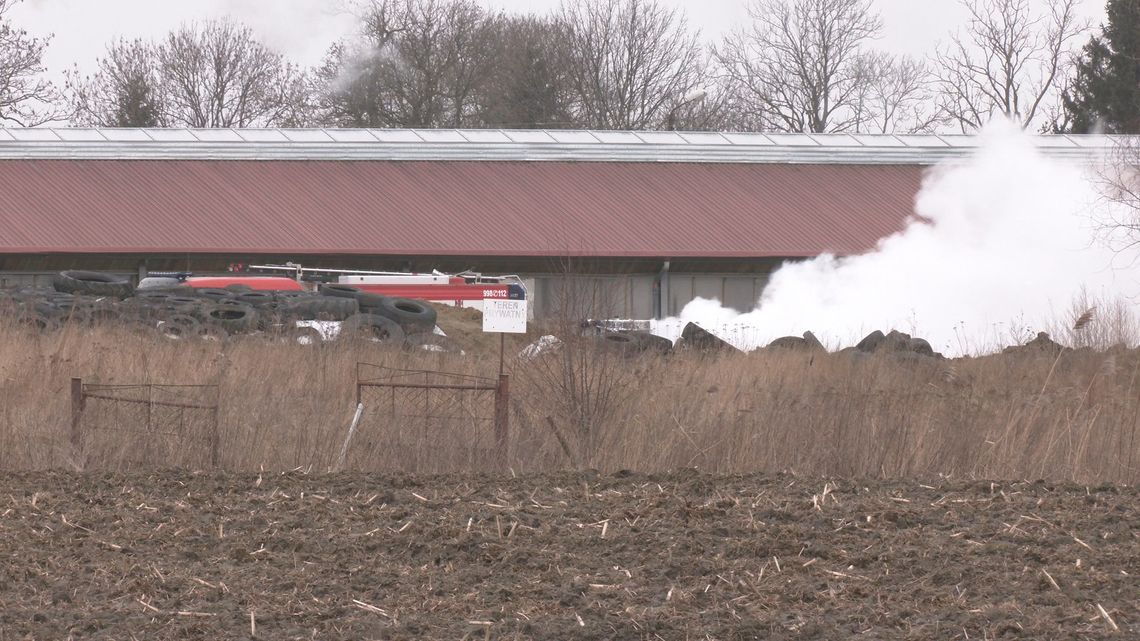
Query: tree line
(795, 66)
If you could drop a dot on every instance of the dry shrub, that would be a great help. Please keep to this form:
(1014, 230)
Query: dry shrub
(1072, 416)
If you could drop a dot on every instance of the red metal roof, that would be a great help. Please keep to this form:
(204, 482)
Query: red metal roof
(450, 208)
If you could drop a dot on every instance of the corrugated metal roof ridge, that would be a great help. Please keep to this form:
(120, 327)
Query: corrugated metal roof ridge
(513, 145)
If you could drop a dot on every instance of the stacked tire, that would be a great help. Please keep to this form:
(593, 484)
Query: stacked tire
(177, 311)
(384, 319)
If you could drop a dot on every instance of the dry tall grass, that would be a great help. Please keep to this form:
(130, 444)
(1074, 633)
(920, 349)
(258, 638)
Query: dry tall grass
(285, 406)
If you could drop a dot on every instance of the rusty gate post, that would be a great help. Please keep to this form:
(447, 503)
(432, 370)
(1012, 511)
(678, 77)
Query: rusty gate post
(502, 416)
(77, 402)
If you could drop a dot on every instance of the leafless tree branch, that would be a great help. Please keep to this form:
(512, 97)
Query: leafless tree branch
(216, 74)
(1009, 60)
(26, 98)
(799, 66)
(630, 63)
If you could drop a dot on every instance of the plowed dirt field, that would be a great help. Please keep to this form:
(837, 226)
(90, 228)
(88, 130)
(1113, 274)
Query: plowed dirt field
(573, 556)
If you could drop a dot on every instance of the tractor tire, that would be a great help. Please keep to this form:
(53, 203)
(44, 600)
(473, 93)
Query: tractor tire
(412, 315)
(92, 284)
(373, 328)
(624, 343)
(234, 319)
(367, 302)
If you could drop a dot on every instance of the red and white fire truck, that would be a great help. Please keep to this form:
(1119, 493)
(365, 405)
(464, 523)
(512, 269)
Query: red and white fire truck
(467, 289)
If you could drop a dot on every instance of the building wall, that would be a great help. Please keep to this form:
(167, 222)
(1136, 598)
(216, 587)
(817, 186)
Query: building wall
(638, 296)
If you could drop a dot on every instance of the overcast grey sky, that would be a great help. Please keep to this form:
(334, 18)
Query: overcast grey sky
(305, 28)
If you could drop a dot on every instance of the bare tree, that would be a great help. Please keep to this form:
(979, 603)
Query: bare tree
(1010, 60)
(629, 62)
(799, 66)
(419, 63)
(26, 98)
(125, 91)
(216, 74)
(528, 86)
(897, 95)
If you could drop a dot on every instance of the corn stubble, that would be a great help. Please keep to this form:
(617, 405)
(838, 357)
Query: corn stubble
(1071, 416)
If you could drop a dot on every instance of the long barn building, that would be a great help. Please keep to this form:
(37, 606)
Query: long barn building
(644, 220)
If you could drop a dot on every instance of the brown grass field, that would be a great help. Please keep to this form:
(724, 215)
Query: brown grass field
(1029, 416)
(732, 497)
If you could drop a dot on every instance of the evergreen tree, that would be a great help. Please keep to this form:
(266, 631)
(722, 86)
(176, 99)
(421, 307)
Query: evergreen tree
(1106, 91)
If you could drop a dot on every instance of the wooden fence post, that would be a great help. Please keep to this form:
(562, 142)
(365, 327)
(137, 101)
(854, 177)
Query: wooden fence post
(77, 403)
(502, 416)
(215, 440)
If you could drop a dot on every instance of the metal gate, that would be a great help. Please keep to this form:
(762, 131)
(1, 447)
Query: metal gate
(427, 421)
(124, 426)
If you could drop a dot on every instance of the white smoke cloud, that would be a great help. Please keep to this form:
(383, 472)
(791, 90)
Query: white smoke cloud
(1001, 244)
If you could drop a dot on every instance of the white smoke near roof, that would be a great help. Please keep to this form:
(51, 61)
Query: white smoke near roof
(1001, 245)
(359, 57)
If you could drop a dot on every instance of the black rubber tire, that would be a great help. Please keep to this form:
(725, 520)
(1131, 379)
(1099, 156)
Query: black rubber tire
(373, 328)
(92, 284)
(338, 290)
(627, 343)
(181, 305)
(178, 327)
(653, 343)
(213, 293)
(234, 319)
(413, 315)
(238, 288)
(368, 302)
(256, 299)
